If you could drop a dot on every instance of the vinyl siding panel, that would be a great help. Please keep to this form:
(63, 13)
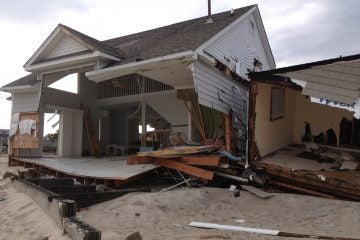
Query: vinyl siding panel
(25, 102)
(66, 46)
(242, 44)
(219, 92)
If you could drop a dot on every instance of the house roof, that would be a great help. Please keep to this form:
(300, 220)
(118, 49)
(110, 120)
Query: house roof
(94, 43)
(162, 41)
(28, 80)
(175, 38)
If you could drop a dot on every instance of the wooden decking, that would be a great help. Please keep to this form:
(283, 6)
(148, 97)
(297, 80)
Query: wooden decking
(107, 170)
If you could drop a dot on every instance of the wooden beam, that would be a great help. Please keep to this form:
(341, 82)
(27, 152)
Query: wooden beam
(302, 190)
(213, 160)
(198, 172)
(132, 160)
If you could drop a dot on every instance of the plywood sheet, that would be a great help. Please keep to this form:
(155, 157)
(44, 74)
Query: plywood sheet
(26, 140)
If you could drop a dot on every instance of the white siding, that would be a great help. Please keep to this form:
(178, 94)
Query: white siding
(25, 102)
(242, 44)
(67, 45)
(219, 92)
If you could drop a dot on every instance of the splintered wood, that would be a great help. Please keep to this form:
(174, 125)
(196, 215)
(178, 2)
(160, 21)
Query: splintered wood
(197, 172)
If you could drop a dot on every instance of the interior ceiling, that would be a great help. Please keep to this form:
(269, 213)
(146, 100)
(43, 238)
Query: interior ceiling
(177, 75)
(338, 82)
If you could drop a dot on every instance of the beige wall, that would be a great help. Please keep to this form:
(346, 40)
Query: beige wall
(272, 135)
(320, 117)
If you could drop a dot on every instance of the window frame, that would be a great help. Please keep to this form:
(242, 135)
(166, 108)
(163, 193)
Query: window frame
(281, 114)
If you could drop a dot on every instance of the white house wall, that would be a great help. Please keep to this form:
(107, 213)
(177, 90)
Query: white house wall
(241, 44)
(25, 102)
(171, 109)
(219, 92)
(67, 45)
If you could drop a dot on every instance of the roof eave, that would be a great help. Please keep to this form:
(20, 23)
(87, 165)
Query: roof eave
(133, 67)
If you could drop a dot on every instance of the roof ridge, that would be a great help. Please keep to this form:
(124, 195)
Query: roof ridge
(177, 23)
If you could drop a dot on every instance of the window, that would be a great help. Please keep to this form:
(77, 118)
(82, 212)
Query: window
(277, 103)
(252, 27)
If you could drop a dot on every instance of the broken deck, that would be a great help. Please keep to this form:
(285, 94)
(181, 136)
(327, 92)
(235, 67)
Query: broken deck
(110, 171)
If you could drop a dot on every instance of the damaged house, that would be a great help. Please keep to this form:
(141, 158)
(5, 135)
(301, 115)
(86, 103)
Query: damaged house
(306, 128)
(181, 82)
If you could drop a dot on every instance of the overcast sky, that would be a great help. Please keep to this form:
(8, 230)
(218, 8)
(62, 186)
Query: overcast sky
(299, 31)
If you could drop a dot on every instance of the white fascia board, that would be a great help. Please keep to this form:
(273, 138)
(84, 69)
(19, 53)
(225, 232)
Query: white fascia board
(22, 89)
(222, 32)
(64, 62)
(38, 52)
(125, 69)
(264, 38)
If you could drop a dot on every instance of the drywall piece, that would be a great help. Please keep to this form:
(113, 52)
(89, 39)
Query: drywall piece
(258, 192)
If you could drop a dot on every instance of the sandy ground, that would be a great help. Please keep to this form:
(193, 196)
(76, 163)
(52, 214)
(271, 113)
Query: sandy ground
(20, 217)
(163, 216)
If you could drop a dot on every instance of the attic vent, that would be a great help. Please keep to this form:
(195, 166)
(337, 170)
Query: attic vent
(252, 27)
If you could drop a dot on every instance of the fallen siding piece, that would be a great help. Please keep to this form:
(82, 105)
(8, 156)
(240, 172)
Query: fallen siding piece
(258, 192)
(263, 231)
(198, 172)
(214, 160)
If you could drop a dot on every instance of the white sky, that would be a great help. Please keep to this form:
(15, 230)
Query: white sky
(298, 30)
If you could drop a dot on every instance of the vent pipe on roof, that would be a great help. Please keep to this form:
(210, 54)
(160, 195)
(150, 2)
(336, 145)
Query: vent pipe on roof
(209, 20)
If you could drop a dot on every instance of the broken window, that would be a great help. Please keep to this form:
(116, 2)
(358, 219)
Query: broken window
(252, 28)
(277, 103)
(67, 84)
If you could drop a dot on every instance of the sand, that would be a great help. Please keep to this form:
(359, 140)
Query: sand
(163, 216)
(20, 217)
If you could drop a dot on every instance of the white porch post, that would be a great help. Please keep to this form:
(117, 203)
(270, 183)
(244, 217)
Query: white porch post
(143, 123)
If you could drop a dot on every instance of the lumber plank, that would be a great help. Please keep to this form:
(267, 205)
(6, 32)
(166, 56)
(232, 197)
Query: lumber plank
(195, 171)
(132, 160)
(302, 190)
(213, 160)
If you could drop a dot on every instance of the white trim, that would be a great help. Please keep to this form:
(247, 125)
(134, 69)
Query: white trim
(22, 89)
(121, 70)
(264, 38)
(223, 31)
(69, 68)
(64, 62)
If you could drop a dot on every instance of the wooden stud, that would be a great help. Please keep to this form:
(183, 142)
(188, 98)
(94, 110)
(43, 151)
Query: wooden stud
(213, 160)
(198, 172)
